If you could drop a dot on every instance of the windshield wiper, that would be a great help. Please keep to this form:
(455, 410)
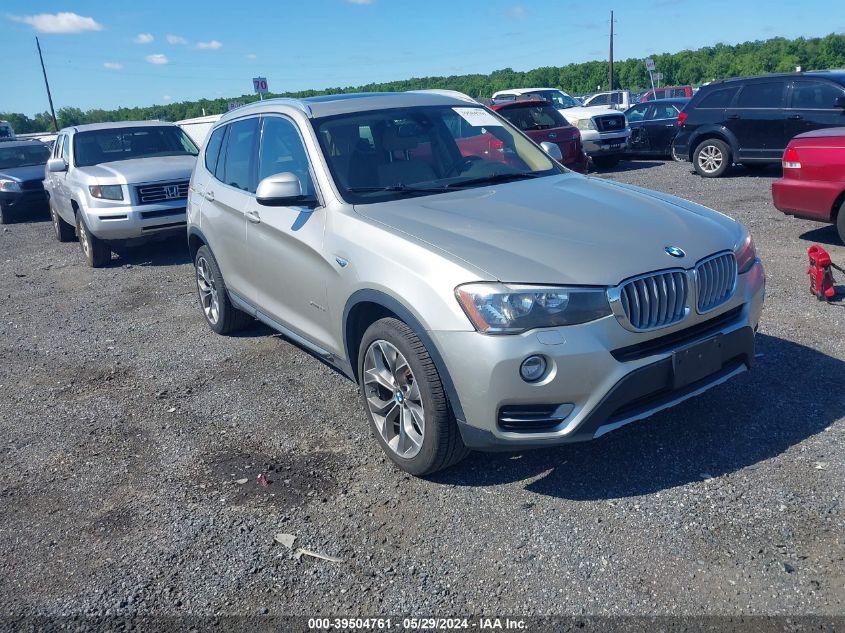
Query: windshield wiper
(492, 179)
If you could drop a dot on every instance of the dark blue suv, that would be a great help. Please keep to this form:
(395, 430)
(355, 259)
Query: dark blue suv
(751, 120)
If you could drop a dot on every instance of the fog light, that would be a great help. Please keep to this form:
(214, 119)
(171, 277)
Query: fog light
(533, 368)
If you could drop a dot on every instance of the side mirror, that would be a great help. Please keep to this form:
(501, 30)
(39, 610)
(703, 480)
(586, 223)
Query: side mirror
(552, 150)
(56, 165)
(839, 102)
(283, 190)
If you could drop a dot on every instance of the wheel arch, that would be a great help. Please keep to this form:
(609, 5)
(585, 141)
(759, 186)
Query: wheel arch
(196, 240)
(365, 307)
(717, 132)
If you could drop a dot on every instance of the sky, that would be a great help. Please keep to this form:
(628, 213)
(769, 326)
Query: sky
(106, 54)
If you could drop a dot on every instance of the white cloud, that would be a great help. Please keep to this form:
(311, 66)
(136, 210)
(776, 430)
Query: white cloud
(167, 98)
(213, 44)
(517, 12)
(157, 59)
(143, 38)
(176, 39)
(251, 56)
(59, 22)
(113, 66)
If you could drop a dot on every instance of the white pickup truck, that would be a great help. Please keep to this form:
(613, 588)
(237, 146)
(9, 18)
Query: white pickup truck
(604, 131)
(616, 99)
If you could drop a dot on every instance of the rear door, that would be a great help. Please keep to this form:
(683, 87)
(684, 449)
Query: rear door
(227, 199)
(812, 106)
(661, 125)
(758, 119)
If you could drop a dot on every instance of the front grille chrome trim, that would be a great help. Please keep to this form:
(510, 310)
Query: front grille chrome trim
(652, 301)
(716, 279)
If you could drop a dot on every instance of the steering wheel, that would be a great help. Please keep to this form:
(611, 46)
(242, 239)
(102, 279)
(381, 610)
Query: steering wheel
(461, 165)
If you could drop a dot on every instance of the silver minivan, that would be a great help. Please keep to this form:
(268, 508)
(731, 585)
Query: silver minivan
(481, 295)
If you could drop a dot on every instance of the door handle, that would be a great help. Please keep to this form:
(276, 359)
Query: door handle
(733, 117)
(795, 117)
(208, 195)
(253, 217)
(670, 125)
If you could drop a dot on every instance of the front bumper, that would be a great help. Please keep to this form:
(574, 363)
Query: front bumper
(601, 376)
(604, 143)
(125, 222)
(27, 200)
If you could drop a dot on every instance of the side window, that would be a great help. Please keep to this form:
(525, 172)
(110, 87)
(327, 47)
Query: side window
(239, 161)
(600, 100)
(762, 94)
(282, 150)
(663, 111)
(57, 145)
(717, 99)
(66, 148)
(637, 113)
(212, 150)
(814, 95)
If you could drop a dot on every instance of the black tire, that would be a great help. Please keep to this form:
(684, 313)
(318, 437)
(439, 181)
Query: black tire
(226, 318)
(63, 231)
(97, 253)
(606, 162)
(442, 445)
(5, 217)
(840, 222)
(712, 158)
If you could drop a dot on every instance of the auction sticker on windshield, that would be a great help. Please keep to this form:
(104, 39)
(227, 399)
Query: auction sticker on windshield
(477, 117)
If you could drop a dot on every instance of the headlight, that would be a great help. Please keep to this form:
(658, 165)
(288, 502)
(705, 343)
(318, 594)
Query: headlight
(107, 192)
(745, 254)
(495, 308)
(584, 124)
(10, 186)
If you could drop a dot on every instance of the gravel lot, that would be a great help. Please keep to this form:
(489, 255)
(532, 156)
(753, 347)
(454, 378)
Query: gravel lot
(127, 423)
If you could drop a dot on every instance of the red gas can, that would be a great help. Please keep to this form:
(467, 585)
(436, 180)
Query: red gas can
(820, 273)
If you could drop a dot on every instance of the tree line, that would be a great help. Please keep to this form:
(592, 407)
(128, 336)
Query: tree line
(685, 67)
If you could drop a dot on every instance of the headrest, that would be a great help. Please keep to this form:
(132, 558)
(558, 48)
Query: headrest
(393, 140)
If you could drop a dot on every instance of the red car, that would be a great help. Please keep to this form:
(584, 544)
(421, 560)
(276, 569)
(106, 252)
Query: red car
(667, 92)
(813, 183)
(541, 122)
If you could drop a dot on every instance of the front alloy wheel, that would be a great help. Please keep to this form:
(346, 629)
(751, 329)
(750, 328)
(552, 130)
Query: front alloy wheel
(209, 299)
(394, 399)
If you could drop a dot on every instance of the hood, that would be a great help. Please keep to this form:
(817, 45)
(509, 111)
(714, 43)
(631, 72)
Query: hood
(23, 174)
(586, 112)
(138, 170)
(566, 229)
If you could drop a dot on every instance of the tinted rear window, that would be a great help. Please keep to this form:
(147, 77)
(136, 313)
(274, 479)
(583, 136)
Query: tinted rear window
(815, 95)
(534, 117)
(718, 98)
(764, 94)
(212, 150)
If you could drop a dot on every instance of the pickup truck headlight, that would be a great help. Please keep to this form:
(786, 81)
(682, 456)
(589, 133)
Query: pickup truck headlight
(495, 308)
(107, 192)
(584, 124)
(745, 254)
(10, 186)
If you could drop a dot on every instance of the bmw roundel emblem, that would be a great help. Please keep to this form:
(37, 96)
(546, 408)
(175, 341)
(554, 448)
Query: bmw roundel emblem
(674, 251)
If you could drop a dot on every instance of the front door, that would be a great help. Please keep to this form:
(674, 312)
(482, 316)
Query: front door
(638, 143)
(286, 258)
(757, 120)
(661, 125)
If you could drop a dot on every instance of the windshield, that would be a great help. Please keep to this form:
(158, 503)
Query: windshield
(104, 146)
(533, 117)
(559, 99)
(382, 155)
(23, 156)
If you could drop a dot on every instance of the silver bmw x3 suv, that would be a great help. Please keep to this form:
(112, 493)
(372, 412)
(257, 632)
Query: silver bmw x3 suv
(481, 295)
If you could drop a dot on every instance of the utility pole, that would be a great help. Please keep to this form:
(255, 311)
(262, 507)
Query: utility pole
(46, 83)
(610, 68)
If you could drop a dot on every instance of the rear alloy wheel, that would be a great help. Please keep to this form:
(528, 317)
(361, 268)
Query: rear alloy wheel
(606, 162)
(405, 400)
(220, 314)
(63, 230)
(712, 158)
(97, 252)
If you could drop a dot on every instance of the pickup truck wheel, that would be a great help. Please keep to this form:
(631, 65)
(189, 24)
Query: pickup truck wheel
(712, 158)
(606, 162)
(840, 222)
(63, 230)
(405, 401)
(220, 314)
(97, 252)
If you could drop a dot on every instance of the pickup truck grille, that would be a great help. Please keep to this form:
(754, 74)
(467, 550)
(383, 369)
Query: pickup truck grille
(162, 192)
(610, 122)
(716, 281)
(655, 300)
